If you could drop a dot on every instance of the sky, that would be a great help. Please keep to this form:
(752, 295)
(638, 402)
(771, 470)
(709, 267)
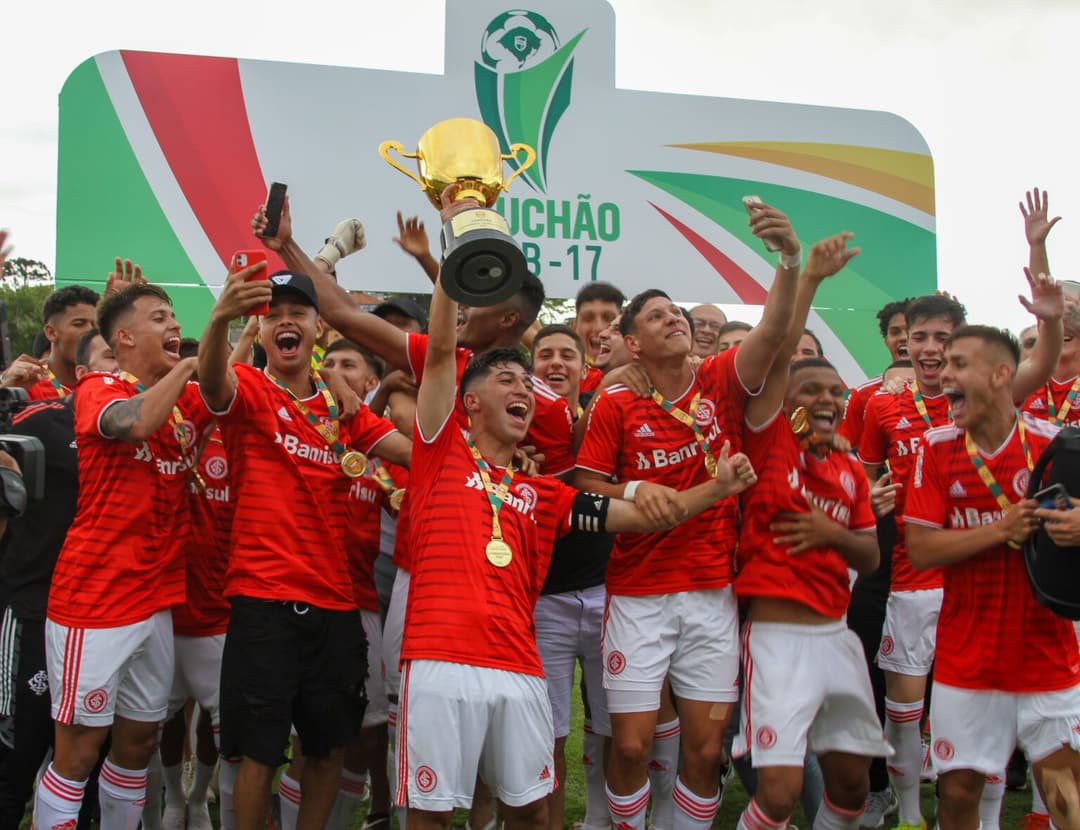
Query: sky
(991, 85)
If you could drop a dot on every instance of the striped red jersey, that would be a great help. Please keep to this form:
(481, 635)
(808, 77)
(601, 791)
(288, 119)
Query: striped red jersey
(592, 379)
(790, 479)
(206, 611)
(854, 413)
(462, 608)
(45, 390)
(992, 633)
(632, 438)
(121, 561)
(363, 511)
(288, 532)
(892, 431)
(1049, 401)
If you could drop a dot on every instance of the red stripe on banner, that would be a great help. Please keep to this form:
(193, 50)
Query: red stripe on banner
(749, 290)
(206, 139)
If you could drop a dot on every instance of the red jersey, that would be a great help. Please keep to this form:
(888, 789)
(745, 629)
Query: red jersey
(206, 611)
(367, 497)
(461, 608)
(992, 633)
(892, 431)
(634, 438)
(121, 561)
(47, 389)
(789, 479)
(288, 532)
(592, 379)
(552, 427)
(1051, 401)
(852, 425)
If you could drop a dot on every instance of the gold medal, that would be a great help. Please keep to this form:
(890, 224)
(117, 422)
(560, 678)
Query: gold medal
(396, 498)
(353, 464)
(711, 467)
(498, 553)
(800, 421)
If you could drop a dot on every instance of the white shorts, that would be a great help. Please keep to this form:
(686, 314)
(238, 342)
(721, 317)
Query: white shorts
(691, 637)
(1040, 723)
(197, 674)
(460, 721)
(806, 687)
(909, 636)
(568, 629)
(375, 684)
(393, 628)
(97, 673)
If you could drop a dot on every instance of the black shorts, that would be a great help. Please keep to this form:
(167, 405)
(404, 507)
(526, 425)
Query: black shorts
(288, 663)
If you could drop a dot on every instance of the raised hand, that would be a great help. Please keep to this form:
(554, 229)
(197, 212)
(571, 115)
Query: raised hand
(829, 255)
(24, 371)
(412, 236)
(1036, 224)
(238, 296)
(284, 231)
(768, 222)
(124, 273)
(1047, 298)
(883, 495)
(734, 473)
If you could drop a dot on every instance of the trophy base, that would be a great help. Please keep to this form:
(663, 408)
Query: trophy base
(482, 265)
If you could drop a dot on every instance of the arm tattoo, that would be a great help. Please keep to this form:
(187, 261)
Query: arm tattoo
(120, 418)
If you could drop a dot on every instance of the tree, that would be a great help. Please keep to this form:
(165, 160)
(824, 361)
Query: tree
(22, 271)
(23, 309)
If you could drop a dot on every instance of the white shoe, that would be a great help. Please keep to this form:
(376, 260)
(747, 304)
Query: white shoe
(198, 817)
(879, 804)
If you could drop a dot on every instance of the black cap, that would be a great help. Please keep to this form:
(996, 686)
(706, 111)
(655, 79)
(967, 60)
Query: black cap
(293, 282)
(402, 306)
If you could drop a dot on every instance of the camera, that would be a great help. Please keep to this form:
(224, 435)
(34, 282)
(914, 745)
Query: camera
(27, 451)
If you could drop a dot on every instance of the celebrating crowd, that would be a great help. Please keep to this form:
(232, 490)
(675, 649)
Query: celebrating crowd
(374, 548)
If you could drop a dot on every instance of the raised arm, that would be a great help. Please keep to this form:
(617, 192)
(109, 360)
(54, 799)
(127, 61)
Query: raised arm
(1037, 226)
(413, 239)
(137, 418)
(1047, 303)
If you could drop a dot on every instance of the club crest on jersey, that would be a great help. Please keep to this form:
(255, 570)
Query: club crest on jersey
(1021, 480)
(522, 497)
(95, 701)
(706, 412)
(887, 645)
(426, 779)
(217, 467)
(616, 662)
(39, 683)
(766, 737)
(943, 749)
(185, 432)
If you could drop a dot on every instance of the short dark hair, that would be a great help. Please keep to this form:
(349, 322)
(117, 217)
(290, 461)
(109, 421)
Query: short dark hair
(480, 365)
(116, 305)
(529, 299)
(559, 328)
(733, 325)
(82, 348)
(810, 363)
(41, 344)
(934, 305)
(902, 363)
(64, 298)
(890, 310)
(189, 347)
(817, 342)
(602, 291)
(377, 364)
(633, 309)
(991, 336)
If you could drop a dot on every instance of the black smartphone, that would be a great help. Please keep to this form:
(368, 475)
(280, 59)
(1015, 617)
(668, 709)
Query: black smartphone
(1054, 497)
(275, 201)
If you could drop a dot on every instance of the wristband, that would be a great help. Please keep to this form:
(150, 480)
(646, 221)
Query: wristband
(629, 490)
(791, 260)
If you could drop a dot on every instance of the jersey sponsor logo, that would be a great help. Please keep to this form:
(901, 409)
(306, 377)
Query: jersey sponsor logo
(39, 683)
(426, 779)
(660, 457)
(766, 737)
(969, 517)
(361, 491)
(95, 701)
(1037, 403)
(887, 645)
(217, 494)
(943, 749)
(616, 662)
(835, 508)
(957, 491)
(644, 431)
(143, 453)
(108, 381)
(847, 482)
(1020, 481)
(310, 452)
(903, 423)
(217, 467)
(522, 497)
(907, 446)
(283, 413)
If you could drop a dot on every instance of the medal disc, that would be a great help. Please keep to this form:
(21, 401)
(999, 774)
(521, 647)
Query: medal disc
(499, 553)
(353, 464)
(800, 421)
(397, 497)
(711, 467)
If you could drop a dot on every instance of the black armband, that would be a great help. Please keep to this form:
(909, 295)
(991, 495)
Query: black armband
(589, 513)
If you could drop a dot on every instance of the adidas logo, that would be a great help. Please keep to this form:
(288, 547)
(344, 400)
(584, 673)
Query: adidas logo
(283, 413)
(903, 423)
(645, 431)
(957, 491)
(1037, 404)
(545, 774)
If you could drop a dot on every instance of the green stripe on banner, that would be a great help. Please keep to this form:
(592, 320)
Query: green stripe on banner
(898, 258)
(100, 178)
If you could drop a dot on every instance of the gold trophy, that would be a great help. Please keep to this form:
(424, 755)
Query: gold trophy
(481, 265)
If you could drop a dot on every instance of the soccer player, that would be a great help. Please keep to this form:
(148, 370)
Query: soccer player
(807, 685)
(1007, 670)
(295, 651)
(109, 627)
(671, 611)
(595, 306)
(707, 320)
(731, 334)
(26, 566)
(473, 696)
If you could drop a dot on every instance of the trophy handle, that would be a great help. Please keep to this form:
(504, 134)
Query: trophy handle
(384, 151)
(530, 157)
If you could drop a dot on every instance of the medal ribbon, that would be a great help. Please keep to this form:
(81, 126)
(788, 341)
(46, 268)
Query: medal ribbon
(686, 419)
(178, 429)
(329, 434)
(1066, 407)
(61, 390)
(988, 477)
(381, 475)
(496, 495)
(920, 405)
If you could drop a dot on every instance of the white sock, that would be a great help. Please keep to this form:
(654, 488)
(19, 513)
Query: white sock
(226, 785)
(151, 813)
(902, 731)
(831, 817)
(121, 793)
(692, 812)
(57, 801)
(289, 799)
(592, 759)
(990, 802)
(174, 785)
(628, 811)
(663, 769)
(200, 784)
(352, 793)
(753, 818)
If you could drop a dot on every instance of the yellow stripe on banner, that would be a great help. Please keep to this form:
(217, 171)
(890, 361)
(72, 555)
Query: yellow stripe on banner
(905, 177)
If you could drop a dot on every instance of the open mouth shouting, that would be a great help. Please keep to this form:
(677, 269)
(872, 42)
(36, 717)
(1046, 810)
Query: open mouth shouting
(518, 412)
(172, 347)
(956, 399)
(823, 420)
(287, 343)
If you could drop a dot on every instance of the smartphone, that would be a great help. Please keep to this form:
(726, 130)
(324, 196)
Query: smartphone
(240, 261)
(752, 203)
(275, 201)
(1054, 497)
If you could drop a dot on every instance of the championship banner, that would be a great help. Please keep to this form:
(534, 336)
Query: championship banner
(164, 158)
